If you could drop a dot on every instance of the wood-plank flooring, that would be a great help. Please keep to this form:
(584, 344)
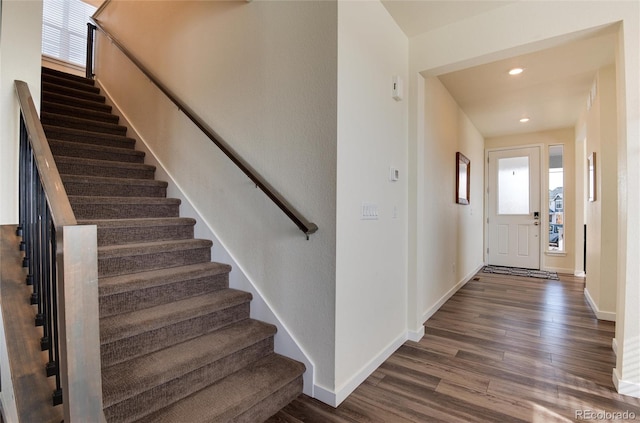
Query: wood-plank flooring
(502, 349)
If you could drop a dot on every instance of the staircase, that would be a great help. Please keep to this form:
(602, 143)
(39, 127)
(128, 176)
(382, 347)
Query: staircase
(177, 344)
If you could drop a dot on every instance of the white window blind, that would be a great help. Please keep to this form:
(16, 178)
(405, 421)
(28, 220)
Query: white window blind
(64, 29)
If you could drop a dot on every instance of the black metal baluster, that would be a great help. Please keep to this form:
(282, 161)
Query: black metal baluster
(36, 261)
(55, 339)
(44, 274)
(21, 179)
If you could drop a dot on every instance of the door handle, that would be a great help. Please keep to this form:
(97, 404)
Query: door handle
(536, 223)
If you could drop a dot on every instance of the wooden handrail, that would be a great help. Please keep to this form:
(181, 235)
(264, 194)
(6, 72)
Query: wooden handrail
(303, 224)
(56, 195)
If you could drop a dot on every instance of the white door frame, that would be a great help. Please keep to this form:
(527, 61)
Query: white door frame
(542, 185)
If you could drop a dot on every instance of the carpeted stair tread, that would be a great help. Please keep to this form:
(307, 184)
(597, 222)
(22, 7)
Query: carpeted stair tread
(65, 75)
(153, 278)
(89, 137)
(123, 259)
(86, 207)
(56, 119)
(86, 84)
(103, 168)
(127, 231)
(113, 187)
(126, 325)
(232, 398)
(129, 250)
(135, 376)
(136, 291)
(94, 151)
(51, 97)
(79, 112)
(72, 92)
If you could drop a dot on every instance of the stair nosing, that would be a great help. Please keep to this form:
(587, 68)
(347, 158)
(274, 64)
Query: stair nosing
(104, 163)
(105, 180)
(86, 199)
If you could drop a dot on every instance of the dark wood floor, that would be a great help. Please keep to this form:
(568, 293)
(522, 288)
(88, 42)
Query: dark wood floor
(502, 349)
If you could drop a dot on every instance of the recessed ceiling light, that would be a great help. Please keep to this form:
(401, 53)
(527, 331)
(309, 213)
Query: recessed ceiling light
(524, 120)
(516, 71)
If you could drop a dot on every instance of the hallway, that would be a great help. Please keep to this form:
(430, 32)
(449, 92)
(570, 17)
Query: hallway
(501, 349)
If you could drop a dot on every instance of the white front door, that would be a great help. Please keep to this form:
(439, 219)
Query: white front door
(513, 198)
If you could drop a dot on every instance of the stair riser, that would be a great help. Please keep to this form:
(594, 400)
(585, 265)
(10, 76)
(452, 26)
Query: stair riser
(81, 94)
(144, 298)
(119, 190)
(176, 389)
(86, 125)
(116, 236)
(70, 83)
(61, 148)
(154, 340)
(75, 102)
(105, 170)
(79, 112)
(119, 211)
(89, 138)
(133, 264)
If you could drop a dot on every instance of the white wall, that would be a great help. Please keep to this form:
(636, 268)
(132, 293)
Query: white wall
(450, 234)
(371, 255)
(564, 262)
(522, 27)
(21, 40)
(263, 75)
(602, 214)
(20, 50)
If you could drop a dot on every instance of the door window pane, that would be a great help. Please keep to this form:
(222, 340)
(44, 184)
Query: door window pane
(513, 185)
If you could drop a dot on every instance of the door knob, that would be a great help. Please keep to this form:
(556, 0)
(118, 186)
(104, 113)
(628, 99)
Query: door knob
(536, 223)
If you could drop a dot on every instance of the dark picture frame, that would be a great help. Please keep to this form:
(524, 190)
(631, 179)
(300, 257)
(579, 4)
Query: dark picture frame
(463, 179)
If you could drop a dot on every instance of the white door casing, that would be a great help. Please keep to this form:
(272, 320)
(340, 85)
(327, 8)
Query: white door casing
(513, 198)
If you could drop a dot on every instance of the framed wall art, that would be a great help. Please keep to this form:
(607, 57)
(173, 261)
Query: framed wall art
(463, 178)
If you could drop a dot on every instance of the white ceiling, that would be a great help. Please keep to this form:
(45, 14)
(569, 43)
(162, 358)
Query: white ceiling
(551, 91)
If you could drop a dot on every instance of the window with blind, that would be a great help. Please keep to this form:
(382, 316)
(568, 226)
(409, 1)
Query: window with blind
(64, 29)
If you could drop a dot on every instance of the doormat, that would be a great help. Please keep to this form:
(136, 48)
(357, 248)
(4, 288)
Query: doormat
(516, 271)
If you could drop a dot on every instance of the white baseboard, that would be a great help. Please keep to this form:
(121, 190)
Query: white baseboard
(559, 270)
(415, 335)
(335, 398)
(614, 346)
(624, 387)
(579, 274)
(436, 306)
(284, 341)
(600, 314)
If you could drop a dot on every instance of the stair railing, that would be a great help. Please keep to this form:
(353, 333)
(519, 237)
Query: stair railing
(301, 222)
(62, 265)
